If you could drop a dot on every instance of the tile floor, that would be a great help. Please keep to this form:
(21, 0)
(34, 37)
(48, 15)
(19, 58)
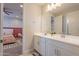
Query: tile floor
(13, 49)
(27, 54)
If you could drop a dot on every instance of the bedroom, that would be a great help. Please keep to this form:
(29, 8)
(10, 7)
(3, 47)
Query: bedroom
(12, 29)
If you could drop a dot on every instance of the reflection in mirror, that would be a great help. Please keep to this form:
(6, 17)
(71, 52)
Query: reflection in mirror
(59, 24)
(66, 19)
(56, 24)
(65, 27)
(73, 23)
(66, 24)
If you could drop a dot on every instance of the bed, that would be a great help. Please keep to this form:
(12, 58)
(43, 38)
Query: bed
(11, 34)
(8, 39)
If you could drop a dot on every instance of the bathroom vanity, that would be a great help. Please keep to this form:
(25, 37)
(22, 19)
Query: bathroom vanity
(56, 44)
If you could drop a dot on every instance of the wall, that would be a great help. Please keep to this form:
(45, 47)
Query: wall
(36, 19)
(73, 22)
(46, 20)
(31, 24)
(11, 22)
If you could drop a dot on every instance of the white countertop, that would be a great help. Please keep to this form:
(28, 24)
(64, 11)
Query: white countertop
(74, 40)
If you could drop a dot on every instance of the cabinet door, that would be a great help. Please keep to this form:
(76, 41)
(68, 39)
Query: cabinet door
(51, 49)
(65, 52)
(36, 43)
(42, 46)
(65, 49)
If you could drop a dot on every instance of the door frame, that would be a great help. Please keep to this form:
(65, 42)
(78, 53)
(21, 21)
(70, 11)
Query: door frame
(1, 29)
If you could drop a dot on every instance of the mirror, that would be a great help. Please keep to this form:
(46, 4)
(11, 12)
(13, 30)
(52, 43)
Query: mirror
(59, 24)
(73, 23)
(66, 19)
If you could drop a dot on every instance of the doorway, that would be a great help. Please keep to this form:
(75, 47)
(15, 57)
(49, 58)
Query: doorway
(12, 29)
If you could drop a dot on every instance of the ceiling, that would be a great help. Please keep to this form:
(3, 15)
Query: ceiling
(65, 8)
(15, 8)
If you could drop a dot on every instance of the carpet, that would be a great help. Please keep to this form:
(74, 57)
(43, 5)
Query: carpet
(16, 51)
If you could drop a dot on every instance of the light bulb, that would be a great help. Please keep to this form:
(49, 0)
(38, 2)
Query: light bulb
(53, 6)
(67, 21)
(58, 4)
(21, 6)
(49, 7)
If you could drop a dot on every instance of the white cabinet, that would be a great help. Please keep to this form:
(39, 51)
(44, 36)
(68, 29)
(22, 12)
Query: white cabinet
(56, 48)
(52, 47)
(65, 52)
(39, 44)
(42, 46)
(68, 50)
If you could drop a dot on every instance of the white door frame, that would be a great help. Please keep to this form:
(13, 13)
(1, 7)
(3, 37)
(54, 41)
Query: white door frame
(1, 28)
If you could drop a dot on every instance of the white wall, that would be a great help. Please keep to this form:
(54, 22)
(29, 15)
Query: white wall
(12, 22)
(46, 20)
(31, 24)
(73, 22)
(36, 19)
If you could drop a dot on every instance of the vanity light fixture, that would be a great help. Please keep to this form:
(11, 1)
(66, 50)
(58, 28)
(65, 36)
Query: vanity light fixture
(53, 6)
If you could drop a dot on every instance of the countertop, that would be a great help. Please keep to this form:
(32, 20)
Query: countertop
(74, 40)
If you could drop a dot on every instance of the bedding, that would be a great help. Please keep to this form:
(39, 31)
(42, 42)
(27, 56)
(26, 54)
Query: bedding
(16, 32)
(8, 39)
(12, 31)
